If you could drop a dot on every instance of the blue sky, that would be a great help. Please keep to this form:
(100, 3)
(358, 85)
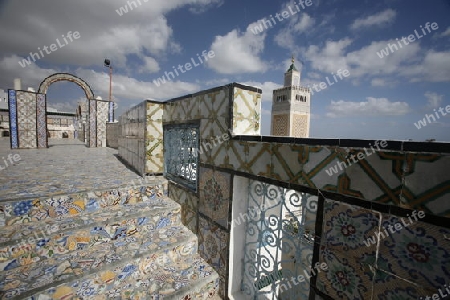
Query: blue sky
(381, 99)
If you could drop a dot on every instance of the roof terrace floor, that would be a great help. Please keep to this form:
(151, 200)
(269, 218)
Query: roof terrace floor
(67, 166)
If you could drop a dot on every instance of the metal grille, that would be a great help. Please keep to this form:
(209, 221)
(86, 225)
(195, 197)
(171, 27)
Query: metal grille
(279, 242)
(181, 144)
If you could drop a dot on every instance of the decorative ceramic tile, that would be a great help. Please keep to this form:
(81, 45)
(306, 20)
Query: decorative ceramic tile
(111, 112)
(154, 139)
(386, 286)
(237, 153)
(26, 119)
(213, 245)
(258, 159)
(348, 229)
(345, 278)
(427, 182)
(246, 112)
(12, 102)
(189, 206)
(102, 118)
(92, 123)
(41, 121)
(415, 251)
(215, 195)
(185, 109)
(215, 104)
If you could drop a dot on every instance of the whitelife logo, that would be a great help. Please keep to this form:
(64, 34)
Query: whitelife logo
(393, 229)
(266, 24)
(12, 159)
(131, 4)
(342, 165)
(391, 48)
(49, 49)
(431, 118)
(168, 76)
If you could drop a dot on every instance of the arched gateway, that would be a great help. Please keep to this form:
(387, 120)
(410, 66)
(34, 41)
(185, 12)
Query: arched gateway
(45, 84)
(28, 119)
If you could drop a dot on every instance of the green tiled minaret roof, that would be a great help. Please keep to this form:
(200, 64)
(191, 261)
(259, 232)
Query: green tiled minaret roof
(292, 67)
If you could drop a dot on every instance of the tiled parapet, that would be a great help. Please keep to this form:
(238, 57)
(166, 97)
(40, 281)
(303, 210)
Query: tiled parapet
(102, 118)
(154, 158)
(381, 252)
(356, 168)
(246, 111)
(132, 147)
(189, 205)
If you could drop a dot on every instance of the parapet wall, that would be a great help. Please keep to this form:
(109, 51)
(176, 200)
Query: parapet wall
(360, 186)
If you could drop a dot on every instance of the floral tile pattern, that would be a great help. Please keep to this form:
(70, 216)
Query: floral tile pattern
(26, 119)
(102, 118)
(41, 121)
(92, 123)
(142, 277)
(215, 195)
(387, 256)
(213, 245)
(73, 204)
(189, 206)
(126, 242)
(420, 252)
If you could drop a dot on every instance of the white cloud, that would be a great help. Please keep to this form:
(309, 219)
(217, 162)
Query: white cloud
(372, 107)
(409, 61)
(378, 82)
(446, 32)
(238, 52)
(266, 87)
(329, 58)
(103, 33)
(314, 75)
(297, 25)
(383, 82)
(131, 88)
(31, 76)
(150, 65)
(434, 100)
(382, 18)
(435, 67)
(204, 5)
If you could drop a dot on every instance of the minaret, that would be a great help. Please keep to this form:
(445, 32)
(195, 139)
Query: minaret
(291, 112)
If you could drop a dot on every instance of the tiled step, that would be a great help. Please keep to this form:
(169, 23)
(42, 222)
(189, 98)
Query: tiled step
(120, 243)
(69, 205)
(175, 242)
(147, 277)
(58, 237)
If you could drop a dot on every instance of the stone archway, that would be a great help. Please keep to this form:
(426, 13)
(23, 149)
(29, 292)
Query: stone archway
(89, 126)
(45, 84)
(28, 115)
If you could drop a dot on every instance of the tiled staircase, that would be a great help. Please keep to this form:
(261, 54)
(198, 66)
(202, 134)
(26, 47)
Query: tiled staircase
(124, 243)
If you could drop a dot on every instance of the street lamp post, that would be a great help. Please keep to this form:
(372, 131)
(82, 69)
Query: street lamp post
(108, 65)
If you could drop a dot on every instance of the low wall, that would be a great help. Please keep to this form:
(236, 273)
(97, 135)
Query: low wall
(112, 135)
(131, 139)
(361, 187)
